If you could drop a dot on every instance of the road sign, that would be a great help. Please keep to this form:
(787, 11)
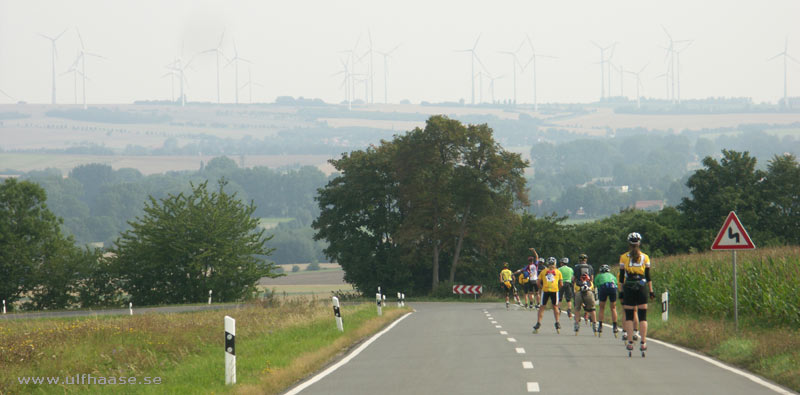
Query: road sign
(468, 289)
(732, 236)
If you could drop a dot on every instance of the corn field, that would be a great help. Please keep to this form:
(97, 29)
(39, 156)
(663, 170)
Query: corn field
(768, 284)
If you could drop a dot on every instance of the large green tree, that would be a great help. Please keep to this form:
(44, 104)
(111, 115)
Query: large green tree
(32, 247)
(442, 191)
(188, 244)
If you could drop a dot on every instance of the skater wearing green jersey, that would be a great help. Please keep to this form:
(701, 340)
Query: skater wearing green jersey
(566, 290)
(606, 285)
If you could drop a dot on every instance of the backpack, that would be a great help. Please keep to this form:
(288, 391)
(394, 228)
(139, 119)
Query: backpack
(523, 277)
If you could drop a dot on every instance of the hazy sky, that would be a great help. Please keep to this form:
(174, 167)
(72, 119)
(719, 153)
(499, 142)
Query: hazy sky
(295, 47)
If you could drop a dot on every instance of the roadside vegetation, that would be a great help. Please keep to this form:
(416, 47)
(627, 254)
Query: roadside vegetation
(701, 309)
(278, 342)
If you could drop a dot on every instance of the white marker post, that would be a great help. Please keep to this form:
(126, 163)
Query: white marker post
(130, 307)
(665, 306)
(403, 297)
(378, 301)
(398, 299)
(4, 306)
(337, 314)
(209, 296)
(383, 300)
(230, 350)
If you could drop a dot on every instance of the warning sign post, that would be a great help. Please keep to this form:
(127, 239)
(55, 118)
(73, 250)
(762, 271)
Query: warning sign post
(732, 236)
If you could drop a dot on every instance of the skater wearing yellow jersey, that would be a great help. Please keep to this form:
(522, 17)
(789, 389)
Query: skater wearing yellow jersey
(634, 274)
(507, 279)
(550, 281)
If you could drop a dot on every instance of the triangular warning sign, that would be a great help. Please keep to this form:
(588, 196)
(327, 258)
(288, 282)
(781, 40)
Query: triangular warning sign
(732, 236)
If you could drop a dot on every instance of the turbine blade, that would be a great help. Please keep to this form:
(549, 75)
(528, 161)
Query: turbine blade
(79, 36)
(221, 38)
(476, 41)
(780, 54)
(59, 36)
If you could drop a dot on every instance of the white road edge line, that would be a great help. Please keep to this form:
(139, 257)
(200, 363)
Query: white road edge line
(750, 376)
(527, 365)
(520, 350)
(533, 386)
(344, 360)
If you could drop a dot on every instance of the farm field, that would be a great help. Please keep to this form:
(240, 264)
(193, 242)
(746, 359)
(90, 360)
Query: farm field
(25, 162)
(321, 282)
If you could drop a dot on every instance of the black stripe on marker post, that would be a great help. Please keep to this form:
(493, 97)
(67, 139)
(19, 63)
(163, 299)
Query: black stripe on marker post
(230, 343)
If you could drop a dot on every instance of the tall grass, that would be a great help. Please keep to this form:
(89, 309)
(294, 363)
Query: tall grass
(184, 349)
(768, 284)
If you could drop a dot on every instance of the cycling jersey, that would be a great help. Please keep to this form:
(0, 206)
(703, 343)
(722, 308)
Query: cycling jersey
(550, 279)
(634, 267)
(506, 275)
(566, 273)
(605, 280)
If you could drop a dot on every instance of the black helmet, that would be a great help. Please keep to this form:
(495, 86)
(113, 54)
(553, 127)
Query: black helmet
(583, 256)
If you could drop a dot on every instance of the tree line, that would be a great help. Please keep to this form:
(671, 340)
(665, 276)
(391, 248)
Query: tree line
(438, 203)
(179, 249)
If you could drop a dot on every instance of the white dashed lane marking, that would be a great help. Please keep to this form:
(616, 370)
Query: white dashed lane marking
(511, 339)
(494, 322)
(527, 365)
(533, 386)
(498, 326)
(503, 332)
(520, 350)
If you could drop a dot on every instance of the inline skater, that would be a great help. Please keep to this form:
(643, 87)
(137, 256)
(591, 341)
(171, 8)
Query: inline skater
(634, 275)
(606, 285)
(527, 277)
(549, 282)
(566, 290)
(584, 292)
(506, 279)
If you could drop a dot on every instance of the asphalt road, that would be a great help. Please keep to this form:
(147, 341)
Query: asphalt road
(456, 348)
(144, 310)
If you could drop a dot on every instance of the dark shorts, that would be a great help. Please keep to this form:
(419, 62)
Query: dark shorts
(566, 292)
(553, 296)
(607, 292)
(634, 293)
(529, 287)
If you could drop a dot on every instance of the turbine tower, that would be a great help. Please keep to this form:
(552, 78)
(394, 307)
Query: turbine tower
(786, 56)
(54, 55)
(218, 51)
(82, 56)
(603, 68)
(75, 72)
(532, 61)
(473, 57)
(345, 82)
(639, 85)
(249, 84)
(178, 68)
(235, 60)
(514, 63)
(386, 56)
(491, 84)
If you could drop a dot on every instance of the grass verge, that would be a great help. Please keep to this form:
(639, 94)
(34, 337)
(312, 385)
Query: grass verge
(771, 352)
(277, 345)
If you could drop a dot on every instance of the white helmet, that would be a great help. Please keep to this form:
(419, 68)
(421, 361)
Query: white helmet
(634, 238)
(551, 260)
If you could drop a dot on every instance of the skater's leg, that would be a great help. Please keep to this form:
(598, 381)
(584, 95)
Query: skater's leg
(642, 315)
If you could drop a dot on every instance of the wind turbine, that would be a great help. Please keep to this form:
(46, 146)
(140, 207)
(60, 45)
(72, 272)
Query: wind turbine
(473, 56)
(250, 83)
(83, 55)
(74, 70)
(786, 56)
(178, 67)
(235, 60)
(345, 82)
(638, 76)
(54, 55)
(514, 63)
(603, 68)
(218, 51)
(386, 56)
(678, 64)
(532, 61)
(172, 74)
(491, 84)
